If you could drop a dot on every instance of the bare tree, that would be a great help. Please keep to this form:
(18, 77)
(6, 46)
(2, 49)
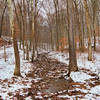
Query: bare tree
(16, 52)
(72, 50)
(88, 31)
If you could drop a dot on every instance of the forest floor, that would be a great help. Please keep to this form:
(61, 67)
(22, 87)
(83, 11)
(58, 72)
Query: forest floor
(46, 78)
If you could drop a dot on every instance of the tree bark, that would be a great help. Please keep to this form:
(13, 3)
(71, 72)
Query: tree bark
(88, 31)
(16, 52)
(72, 50)
(57, 33)
(2, 21)
(79, 28)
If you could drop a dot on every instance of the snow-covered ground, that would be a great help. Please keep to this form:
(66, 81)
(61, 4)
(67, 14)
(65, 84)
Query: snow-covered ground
(82, 77)
(11, 84)
(7, 68)
(82, 61)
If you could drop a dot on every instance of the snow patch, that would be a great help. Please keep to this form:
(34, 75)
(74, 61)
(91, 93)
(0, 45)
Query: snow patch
(63, 96)
(62, 57)
(79, 76)
(95, 90)
(29, 98)
(38, 97)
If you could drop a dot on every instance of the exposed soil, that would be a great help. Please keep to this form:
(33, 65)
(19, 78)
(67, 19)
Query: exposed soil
(53, 82)
(52, 74)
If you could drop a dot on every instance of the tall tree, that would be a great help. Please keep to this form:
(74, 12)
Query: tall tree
(72, 50)
(88, 30)
(94, 4)
(16, 52)
(81, 44)
(34, 28)
(56, 4)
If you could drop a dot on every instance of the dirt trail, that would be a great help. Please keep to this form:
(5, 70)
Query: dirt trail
(52, 73)
(53, 82)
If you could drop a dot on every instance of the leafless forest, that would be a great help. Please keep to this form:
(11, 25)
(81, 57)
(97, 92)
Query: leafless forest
(49, 49)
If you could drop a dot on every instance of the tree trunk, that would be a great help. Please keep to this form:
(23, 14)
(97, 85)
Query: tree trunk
(72, 50)
(17, 58)
(33, 32)
(94, 34)
(57, 33)
(79, 27)
(2, 21)
(16, 52)
(89, 31)
(27, 50)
